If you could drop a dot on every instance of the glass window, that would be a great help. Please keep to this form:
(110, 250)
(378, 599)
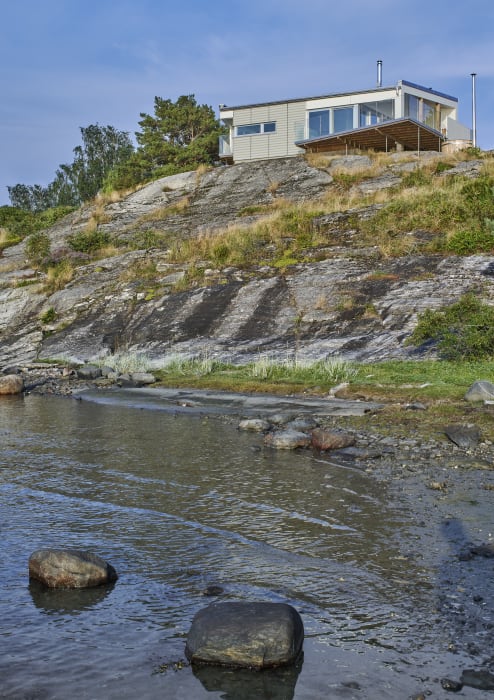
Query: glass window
(411, 106)
(342, 119)
(250, 129)
(318, 123)
(376, 112)
(247, 129)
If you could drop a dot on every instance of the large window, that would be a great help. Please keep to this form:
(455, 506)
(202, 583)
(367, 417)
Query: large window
(342, 119)
(318, 123)
(422, 110)
(371, 113)
(323, 122)
(252, 129)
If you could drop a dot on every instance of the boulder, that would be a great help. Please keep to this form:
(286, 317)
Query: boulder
(11, 384)
(302, 424)
(89, 372)
(286, 439)
(142, 378)
(331, 439)
(257, 425)
(257, 635)
(463, 435)
(70, 568)
(480, 391)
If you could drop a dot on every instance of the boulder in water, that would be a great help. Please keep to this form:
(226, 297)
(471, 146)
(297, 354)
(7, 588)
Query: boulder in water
(70, 568)
(254, 635)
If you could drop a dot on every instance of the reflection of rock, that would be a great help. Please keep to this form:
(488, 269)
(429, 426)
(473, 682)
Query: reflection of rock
(70, 568)
(244, 684)
(66, 600)
(258, 635)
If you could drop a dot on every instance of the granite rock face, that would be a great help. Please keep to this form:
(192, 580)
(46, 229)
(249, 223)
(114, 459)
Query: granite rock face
(70, 568)
(257, 635)
(352, 303)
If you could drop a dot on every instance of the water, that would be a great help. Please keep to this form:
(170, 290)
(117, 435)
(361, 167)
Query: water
(177, 501)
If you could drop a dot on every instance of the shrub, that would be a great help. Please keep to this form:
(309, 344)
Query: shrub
(89, 241)
(48, 316)
(38, 248)
(462, 331)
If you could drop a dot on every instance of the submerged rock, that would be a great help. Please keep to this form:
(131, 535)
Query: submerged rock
(257, 635)
(11, 384)
(482, 680)
(286, 439)
(70, 568)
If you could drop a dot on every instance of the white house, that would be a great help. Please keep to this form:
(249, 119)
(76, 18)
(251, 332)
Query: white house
(404, 116)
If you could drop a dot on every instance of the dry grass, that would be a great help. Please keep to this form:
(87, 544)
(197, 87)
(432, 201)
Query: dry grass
(160, 213)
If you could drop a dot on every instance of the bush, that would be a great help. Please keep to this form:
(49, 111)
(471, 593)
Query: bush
(38, 248)
(88, 241)
(462, 331)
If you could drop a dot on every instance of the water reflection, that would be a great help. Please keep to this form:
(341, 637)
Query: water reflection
(245, 684)
(67, 600)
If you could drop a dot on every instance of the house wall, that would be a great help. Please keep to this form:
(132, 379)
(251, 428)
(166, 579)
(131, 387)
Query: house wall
(290, 123)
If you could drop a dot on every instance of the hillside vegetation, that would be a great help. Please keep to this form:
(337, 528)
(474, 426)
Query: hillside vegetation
(305, 259)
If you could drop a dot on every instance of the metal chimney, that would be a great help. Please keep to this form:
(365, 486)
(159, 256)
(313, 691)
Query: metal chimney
(379, 74)
(474, 110)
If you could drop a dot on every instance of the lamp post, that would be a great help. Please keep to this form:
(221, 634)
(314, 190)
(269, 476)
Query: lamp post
(474, 111)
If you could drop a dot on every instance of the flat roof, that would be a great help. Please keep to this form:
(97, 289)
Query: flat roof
(409, 133)
(340, 94)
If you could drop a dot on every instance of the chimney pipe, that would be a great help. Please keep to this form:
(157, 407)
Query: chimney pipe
(379, 74)
(474, 110)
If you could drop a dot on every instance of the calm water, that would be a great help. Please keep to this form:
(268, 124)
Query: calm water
(176, 502)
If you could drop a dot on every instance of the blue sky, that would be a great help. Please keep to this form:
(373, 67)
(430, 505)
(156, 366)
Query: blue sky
(70, 63)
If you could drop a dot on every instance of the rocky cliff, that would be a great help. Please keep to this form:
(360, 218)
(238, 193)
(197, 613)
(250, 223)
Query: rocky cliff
(348, 300)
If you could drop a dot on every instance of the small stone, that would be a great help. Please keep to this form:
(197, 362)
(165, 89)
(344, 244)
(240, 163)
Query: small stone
(256, 425)
(89, 372)
(453, 686)
(286, 440)
(212, 590)
(256, 635)
(11, 384)
(142, 378)
(70, 568)
(331, 439)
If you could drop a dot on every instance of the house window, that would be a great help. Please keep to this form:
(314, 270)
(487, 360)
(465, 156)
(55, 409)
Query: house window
(318, 123)
(252, 129)
(376, 112)
(422, 110)
(323, 122)
(342, 119)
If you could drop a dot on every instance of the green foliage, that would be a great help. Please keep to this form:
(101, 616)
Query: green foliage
(19, 223)
(49, 316)
(38, 248)
(88, 241)
(473, 240)
(464, 330)
(179, 136)
(103, 149)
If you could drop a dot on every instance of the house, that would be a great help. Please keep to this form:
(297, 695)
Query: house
(404, 116)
